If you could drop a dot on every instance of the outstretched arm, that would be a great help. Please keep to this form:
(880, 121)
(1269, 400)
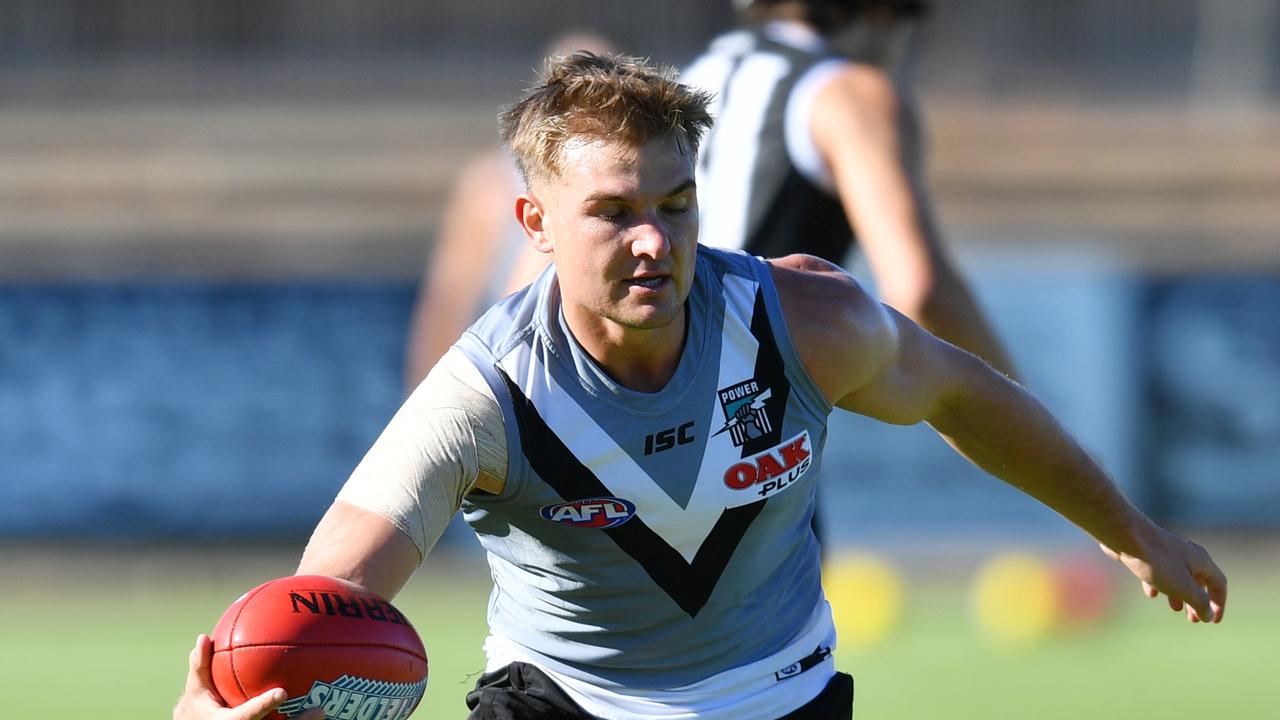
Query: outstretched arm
(870, 359)
(1004, 430)
(869, 136)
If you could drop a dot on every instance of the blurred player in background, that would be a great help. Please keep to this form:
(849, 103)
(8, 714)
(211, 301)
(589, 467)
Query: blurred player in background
(634, 438)
(480, 254)
(817, 142)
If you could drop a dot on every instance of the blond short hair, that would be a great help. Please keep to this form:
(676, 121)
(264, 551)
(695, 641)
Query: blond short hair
(605, 97)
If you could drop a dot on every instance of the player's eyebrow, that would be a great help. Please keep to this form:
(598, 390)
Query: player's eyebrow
(684, 186)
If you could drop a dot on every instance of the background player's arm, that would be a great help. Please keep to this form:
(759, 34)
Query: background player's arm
(526, 268)
(457, 271)
(869, 138)
(869, 359)
(473, 232)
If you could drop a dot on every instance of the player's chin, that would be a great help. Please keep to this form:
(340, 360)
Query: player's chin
(648, 316)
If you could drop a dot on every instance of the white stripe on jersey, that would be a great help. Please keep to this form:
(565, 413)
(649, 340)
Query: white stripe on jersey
(798, 124)
(730, 154)
(683, 528)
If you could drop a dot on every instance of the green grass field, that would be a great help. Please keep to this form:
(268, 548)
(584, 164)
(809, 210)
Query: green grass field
(104, 634)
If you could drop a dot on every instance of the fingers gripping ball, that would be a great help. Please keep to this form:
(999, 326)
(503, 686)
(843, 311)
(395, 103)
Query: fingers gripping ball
(327, 642)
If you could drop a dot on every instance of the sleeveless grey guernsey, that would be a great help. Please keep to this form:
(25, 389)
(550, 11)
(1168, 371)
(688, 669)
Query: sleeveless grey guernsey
(652, 540)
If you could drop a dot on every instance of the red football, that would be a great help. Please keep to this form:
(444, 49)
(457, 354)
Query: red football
(327, 642)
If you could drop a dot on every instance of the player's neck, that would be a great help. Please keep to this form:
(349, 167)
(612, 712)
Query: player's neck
(640, 359)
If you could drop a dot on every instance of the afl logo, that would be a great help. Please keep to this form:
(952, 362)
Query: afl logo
(600, 513)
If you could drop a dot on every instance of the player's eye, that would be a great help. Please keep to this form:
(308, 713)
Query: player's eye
(611, 213)
(678, 204)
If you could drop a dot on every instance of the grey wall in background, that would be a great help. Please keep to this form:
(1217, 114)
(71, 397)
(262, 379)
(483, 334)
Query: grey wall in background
(232, 411)
(1213, 373)
(210, 411)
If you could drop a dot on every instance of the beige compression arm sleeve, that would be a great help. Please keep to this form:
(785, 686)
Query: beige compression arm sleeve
(429, 456)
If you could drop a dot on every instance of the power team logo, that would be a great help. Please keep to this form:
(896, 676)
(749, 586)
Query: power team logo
(599, 512)
(744, 411)
(358, 698)
(773, 470)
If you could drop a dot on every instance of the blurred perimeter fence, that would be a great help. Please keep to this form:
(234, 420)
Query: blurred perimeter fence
(1202, 49)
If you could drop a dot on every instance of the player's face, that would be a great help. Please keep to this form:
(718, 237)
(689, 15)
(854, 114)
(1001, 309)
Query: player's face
(622, 221)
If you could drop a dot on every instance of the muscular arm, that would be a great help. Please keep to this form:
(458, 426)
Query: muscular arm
(361, 546)
(869, 138)
(445, 441)
(868, 358)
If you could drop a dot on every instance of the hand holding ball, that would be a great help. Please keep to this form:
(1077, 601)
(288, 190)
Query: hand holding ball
(327, 642)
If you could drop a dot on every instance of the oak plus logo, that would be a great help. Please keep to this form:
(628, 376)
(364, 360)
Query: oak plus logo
(744, 412)
(774, 470)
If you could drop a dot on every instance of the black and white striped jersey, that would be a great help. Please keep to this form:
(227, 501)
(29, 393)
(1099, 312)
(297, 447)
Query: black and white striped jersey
(762, 186)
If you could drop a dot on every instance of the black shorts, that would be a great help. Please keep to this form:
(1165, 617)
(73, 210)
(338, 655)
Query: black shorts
(523, 692)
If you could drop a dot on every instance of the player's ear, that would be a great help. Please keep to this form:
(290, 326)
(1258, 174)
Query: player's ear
(532, 217)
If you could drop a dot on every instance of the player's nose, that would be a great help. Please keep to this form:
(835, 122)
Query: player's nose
(650, 239)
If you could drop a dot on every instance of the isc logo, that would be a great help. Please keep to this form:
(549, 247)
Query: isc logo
(772, 470)
(600, 513)
(669, 438)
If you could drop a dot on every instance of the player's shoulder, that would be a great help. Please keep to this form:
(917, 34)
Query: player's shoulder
(810, 287)
(839, 329)
(860, 88)
(507, 322)
(805, 263)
